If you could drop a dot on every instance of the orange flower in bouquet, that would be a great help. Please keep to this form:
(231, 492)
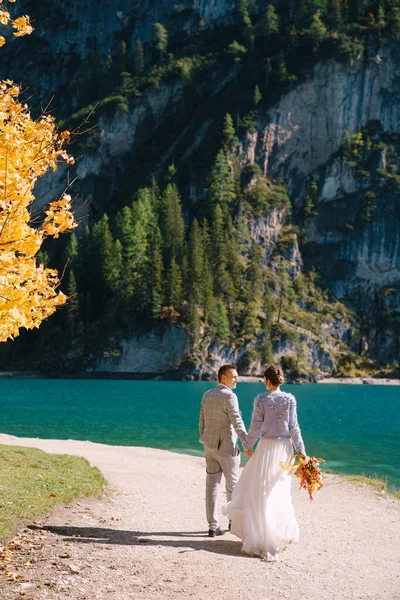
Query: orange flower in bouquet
(308, 473)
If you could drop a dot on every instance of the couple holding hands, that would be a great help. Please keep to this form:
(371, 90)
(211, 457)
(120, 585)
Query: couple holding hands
(260, 508)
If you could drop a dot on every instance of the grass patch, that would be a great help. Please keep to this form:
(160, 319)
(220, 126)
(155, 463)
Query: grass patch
(33, 482)
(377, 483)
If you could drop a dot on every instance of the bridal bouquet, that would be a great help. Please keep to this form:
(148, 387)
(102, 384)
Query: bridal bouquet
(308, 473)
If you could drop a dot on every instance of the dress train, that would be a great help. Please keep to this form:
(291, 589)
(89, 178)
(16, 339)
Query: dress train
(261, 509)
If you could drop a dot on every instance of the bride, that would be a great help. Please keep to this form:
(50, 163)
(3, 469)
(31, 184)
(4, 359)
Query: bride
(261, 508)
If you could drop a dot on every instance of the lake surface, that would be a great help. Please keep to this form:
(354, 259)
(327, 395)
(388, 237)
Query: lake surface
(356, 428)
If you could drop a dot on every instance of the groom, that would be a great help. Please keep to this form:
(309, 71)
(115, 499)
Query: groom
(220, 426)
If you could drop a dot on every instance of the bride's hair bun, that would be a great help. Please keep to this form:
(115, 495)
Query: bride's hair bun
(274, 374)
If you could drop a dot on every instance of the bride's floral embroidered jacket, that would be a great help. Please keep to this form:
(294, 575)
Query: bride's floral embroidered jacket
(275, 416)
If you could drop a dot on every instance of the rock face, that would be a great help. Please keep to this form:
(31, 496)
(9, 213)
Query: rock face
(68, 32)
(153, 353)
(298, 140)
(306, 127)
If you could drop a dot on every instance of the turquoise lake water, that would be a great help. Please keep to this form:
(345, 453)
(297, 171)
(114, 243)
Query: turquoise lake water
(356, 428)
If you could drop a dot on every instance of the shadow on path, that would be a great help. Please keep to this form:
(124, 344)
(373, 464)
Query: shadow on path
(191, 541)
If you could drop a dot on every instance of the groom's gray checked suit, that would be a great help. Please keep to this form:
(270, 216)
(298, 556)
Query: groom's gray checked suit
(220, 426)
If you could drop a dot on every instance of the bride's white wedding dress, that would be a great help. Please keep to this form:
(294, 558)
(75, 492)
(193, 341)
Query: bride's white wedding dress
(261, 508)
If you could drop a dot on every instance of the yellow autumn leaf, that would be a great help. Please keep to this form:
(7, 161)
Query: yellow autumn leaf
(23, 26)
(4, 17)
(28, 149)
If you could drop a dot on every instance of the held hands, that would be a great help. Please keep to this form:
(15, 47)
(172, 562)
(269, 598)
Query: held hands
(248, 453)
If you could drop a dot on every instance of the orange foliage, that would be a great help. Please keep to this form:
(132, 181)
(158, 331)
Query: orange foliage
(21, 24)
(308, 473)
(28, 148)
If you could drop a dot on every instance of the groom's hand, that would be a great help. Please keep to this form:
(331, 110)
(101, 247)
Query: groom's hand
(248, 453)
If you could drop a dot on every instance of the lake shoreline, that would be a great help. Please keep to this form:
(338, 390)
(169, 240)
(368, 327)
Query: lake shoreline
(167, 377)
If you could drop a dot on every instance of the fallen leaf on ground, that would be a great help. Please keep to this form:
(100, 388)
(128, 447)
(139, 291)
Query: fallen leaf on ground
(74, 569)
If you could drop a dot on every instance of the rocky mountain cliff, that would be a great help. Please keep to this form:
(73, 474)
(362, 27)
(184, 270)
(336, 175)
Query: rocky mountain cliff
(305, 136)
(68, 33)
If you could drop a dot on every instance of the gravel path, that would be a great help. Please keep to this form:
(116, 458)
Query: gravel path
(146, 540)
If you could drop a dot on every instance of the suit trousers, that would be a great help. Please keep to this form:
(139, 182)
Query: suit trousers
(216, 464)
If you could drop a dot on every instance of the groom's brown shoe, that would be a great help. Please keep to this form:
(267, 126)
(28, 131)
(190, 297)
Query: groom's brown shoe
(215, 532)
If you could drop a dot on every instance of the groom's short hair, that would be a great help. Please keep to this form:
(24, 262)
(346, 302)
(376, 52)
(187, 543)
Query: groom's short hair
(222, 370)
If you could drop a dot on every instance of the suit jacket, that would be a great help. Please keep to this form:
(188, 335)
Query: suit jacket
(220, 421)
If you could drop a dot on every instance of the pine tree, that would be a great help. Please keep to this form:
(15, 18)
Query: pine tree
(358, 9)
(221, 188)
(318, 31)
(310, 200)
(207, 286)
(251, 322)
(267, 354)
(253, 276)
(138, 58)
(171, 172)
(194, 325)
(233, 266)
(124, 232)
(155, 266)
(113, 270)
(381, 22)
(252, 292)
(195, 264)
(393, 19)
(145, 235)
(83, 272)
(346, 142)
(283, 75)
(244, 13)
(71, 253)
(220, 323)
(172, 224)
(43, 258)
(247, 25)
(271, 22)
(217, 238)
(174, 285)
(257, 96)
(335, 13)
(73, 305)
(100, 248)
(116, 65)
(160, 39)
(286, 292)
(223, 284)
(229, 137)
(266, 347)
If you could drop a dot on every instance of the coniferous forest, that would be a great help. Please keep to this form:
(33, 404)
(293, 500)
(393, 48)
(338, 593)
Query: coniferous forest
(232, 264)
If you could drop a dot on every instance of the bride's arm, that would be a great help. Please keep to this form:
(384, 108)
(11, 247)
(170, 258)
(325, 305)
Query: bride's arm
(294, 428)
(257, 420)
